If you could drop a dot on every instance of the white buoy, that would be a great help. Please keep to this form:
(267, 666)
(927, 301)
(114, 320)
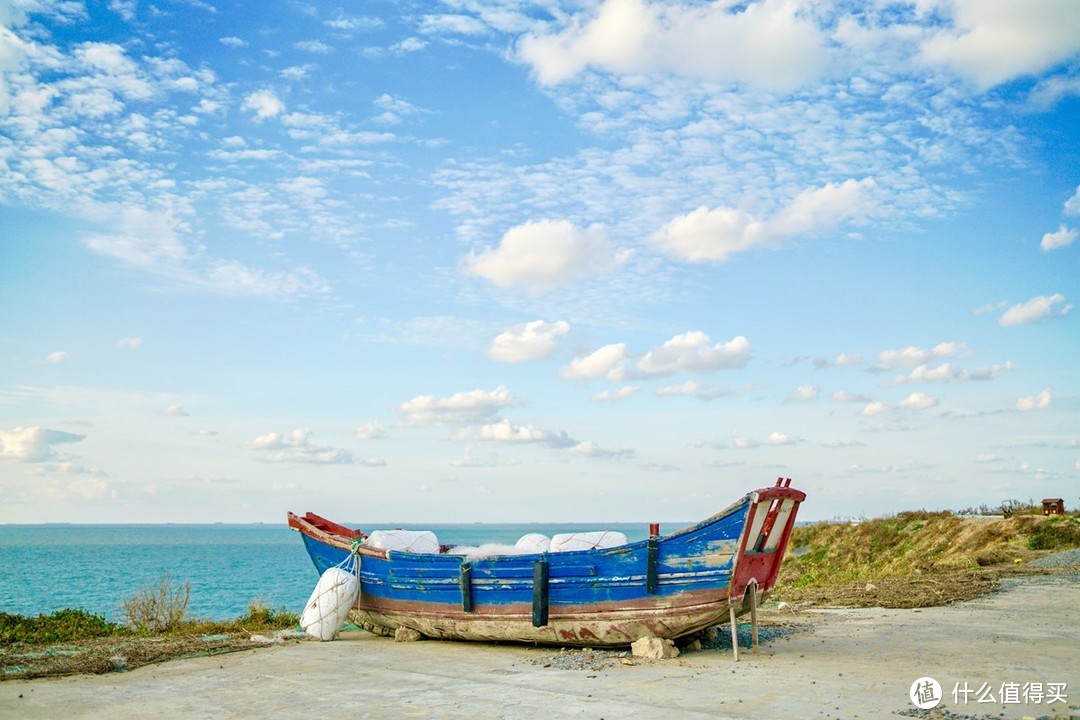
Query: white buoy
(330, 603)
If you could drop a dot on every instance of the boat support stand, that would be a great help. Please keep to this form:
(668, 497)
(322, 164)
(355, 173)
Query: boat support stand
(753, 624)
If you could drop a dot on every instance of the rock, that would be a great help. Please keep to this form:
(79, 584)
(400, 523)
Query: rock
(654, 648)
(404, 634)
(693, 646)
(871, 587)
(264, 640)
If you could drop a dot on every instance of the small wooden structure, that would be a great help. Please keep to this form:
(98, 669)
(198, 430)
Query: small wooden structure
(1053, 506)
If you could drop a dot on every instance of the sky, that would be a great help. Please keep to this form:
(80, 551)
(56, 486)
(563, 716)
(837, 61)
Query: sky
(536, 260)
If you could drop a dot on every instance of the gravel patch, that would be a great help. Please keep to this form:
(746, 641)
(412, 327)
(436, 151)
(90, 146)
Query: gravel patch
(1066, 558)
(714, 638)
(585, 659)
(721, 638)
(943, 713)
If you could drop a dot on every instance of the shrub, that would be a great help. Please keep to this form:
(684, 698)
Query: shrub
(61, 626)
(1054, 533)
(261, 616)
(156, 609)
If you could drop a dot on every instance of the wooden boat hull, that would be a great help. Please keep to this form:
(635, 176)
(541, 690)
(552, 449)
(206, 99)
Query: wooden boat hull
(666, 587)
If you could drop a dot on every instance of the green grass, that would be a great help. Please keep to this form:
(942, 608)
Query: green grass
(74, 625)
(61, 626)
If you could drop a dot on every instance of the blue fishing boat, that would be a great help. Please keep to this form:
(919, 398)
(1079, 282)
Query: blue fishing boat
(666, 586)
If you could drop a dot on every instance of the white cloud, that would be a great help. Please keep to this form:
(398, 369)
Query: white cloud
(264, 103)
(544, 255)
(781, 438)
(505, 431)
(460, 408)
(233, 41)
(1072, 205)
(946, 373)
(691, 352)
(175, 411)
(527, 341)
(297, 72)
(298, 448)
(313, 46)
(344, 23)
(1036, 309)
(690, 387)
(1064, 237)
(58, 357)
(994, 42)
(767, 44)
(805, 393)
(1035, 402)
(845, 396)
(609, 361)
(129, 342)
(717, 234)
(875, 408)
(233, 278)
(918, 401)
(591, 449)
(408, 45)
(373, 430)
(456, 24)
(616, 395)
(33, 444)
(912, 356)
(848, 359)
(143, 238)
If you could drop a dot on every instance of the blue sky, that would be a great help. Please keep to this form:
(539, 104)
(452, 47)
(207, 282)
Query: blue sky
(535, 261)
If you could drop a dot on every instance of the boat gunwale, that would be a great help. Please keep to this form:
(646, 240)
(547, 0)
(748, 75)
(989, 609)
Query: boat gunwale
(303, 525)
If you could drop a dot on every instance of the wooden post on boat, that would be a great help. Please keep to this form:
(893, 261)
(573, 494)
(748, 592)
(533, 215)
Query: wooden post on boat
(753, 615)
(734, 632)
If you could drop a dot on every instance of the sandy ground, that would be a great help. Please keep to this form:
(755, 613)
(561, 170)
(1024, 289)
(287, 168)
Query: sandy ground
(845, 663)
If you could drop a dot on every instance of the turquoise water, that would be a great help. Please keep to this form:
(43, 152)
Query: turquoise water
(44, 568)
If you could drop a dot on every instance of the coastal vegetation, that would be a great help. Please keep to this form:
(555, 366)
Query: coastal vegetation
(73, 641)
(919, 558)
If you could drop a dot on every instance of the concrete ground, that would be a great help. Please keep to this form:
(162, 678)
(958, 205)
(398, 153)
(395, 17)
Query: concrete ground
(844, 664)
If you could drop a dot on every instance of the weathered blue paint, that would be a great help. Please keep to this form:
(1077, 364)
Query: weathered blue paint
(582, 577)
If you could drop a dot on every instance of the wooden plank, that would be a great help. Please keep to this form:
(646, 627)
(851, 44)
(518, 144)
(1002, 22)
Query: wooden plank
(465, 581)
(540, 594)
(652, 581)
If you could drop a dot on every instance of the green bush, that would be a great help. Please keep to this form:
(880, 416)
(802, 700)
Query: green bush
(61, 626)
(1057, 531)
(260, 616)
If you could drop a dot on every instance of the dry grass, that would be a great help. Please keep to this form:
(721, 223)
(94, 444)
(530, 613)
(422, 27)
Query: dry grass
(111, 654)
(915, 559)
(157, 609)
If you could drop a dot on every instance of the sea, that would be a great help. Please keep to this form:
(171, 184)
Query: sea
(45, 568)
